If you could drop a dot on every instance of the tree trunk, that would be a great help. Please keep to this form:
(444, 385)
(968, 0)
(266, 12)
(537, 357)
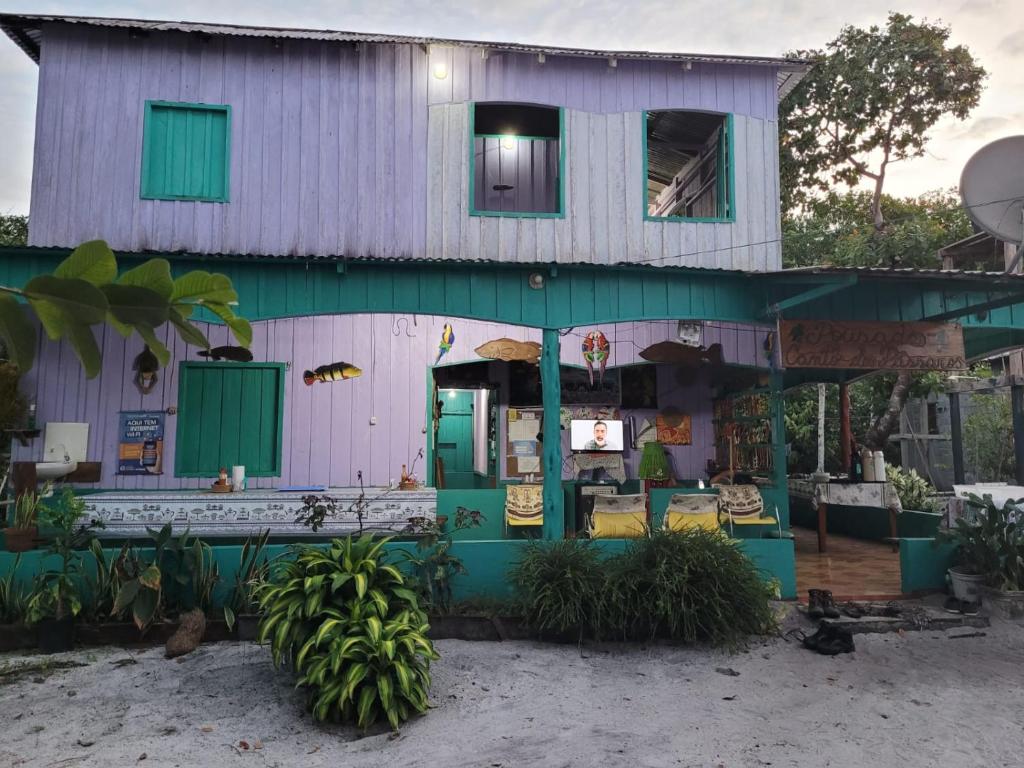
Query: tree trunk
(878, 436)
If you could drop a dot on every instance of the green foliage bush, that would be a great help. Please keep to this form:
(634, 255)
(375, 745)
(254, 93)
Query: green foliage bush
(914, 491)
(353, 631)
(990, 542)
(684, 586)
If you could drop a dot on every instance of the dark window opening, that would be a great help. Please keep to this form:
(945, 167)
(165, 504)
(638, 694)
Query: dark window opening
(516, 159)
(933, 418)
(688, 165)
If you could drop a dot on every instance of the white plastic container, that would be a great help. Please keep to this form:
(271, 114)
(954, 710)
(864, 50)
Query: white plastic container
(867, 464)
(238, 477)
(879, 461)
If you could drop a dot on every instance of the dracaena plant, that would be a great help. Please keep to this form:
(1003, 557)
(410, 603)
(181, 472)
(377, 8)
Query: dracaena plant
(353, 631)
(86, 290)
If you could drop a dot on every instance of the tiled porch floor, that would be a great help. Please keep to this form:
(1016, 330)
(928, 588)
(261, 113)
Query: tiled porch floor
(853, 569)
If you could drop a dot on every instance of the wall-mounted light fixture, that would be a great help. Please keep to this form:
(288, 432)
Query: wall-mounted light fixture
(536, 281)
(441, 70)
(508, 142)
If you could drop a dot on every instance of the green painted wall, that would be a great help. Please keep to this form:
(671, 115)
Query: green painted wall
(923, 564)
(866, 522)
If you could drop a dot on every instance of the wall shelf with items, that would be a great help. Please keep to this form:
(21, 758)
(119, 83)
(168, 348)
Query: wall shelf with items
(743, 433)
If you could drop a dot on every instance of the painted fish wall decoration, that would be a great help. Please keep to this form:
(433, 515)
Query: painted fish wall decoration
(332, 372)
(596, 349)
(447, 339)
(510, 349)
(145, 366)
(234, 354)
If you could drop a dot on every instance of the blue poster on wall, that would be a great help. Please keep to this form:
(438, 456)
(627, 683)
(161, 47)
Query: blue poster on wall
(141, 443)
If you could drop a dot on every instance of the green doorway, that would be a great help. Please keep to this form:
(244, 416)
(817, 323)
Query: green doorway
(456, 441)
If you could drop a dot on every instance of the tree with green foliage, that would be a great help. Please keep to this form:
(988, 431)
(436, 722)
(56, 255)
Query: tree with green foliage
(13, 230)
(86, 290)
(869, 102)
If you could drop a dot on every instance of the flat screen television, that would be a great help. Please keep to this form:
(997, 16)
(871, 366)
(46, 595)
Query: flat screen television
(596, 435)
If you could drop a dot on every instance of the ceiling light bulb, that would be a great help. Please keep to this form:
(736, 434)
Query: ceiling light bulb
(441, 70)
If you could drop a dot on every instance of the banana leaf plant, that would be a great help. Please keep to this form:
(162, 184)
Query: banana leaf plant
(85, 290)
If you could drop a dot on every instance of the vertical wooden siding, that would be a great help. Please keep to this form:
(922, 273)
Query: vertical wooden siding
(330, 143)
(604, 202)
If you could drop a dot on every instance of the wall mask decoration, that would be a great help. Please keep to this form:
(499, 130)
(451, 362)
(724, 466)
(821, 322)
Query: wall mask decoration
(234, 354)
(596, 349)
(447, 339)
(332, 372)
(673, 427)
(145, 366)
(510, 349)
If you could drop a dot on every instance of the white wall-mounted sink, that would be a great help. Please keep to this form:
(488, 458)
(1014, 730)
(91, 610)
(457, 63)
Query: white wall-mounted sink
(51, 470)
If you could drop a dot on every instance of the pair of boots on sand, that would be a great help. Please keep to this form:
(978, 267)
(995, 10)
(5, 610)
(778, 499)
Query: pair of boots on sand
(821, 604)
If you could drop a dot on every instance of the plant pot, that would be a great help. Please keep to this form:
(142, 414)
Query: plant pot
(56, 635)
(21, 539)
(966, 586)
(247, 625)
(1004, 604)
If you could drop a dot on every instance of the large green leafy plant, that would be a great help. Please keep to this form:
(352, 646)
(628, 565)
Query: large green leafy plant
(86, 290)
(913, 490)
(990, 541)
(353, 631)
(434, 564)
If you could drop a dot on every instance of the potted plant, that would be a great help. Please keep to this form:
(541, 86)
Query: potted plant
(242, 608)
(990, 555)
(55, 600)
(21, 534)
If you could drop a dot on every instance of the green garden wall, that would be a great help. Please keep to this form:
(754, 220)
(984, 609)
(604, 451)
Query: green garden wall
(871, 523)
(923, 564)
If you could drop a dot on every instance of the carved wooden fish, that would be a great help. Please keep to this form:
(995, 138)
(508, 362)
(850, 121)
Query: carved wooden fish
(234, 354)
(332, 372)
(510, 349)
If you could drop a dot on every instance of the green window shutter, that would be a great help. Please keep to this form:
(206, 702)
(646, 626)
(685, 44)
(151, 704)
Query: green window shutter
(186, 150)
(229, 413)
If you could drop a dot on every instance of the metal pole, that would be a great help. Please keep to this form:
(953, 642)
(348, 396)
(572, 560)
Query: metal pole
(957, 436)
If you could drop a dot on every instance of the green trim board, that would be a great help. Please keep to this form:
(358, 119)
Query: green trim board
(186, 152)
(726, 192)
(229, 413)
(474, 211)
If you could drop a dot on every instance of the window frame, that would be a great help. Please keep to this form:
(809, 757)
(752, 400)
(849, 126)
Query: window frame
(561, 167)
(147, 126)
(282, 378)
(730, 177)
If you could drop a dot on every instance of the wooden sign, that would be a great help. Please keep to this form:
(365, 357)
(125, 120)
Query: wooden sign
(872, 345)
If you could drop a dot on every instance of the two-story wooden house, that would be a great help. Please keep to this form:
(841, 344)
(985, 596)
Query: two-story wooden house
(395, 204)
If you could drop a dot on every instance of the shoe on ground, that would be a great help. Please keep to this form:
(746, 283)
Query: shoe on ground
(953, 605)
(811, 641)
(969, 608)
(815, 609)
(830, 640)
(828, 604)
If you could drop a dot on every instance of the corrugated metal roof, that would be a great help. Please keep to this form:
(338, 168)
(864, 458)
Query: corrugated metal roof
(902, 272)
(25, 30)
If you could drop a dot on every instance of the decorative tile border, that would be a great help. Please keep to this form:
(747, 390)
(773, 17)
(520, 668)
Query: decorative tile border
(128, 514)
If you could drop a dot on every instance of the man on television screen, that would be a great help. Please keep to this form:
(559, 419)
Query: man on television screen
(600, 441)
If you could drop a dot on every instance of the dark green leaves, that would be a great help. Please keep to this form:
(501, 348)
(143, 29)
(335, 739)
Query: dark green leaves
(17, 332)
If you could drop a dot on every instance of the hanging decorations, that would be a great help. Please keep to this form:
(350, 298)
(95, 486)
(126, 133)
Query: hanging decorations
(447, 339)
(332, 372)
(596, 349)
(234, 354)
(509, 349)
(145, 366)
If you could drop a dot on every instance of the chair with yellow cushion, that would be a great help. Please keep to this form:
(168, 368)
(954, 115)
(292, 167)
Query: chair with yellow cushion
(692, 510)
(619, 517)
(743, 505)
(524, 505)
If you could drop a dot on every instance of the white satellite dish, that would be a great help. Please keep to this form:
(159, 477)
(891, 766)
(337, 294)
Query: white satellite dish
(992, 189)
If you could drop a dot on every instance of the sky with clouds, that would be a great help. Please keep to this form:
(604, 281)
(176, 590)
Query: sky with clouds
(992, 29)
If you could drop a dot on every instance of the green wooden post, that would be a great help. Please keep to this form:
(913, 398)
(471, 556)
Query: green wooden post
(778, 413)
(554, 504)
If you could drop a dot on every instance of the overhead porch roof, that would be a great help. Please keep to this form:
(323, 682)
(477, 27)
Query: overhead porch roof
(990, 306)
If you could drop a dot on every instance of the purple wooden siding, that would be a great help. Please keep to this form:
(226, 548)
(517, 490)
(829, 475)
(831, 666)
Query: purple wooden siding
(329, 141)
(327, 432)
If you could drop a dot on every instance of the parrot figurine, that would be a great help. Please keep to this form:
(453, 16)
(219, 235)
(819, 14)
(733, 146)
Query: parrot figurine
(447, 339)
(595, 350)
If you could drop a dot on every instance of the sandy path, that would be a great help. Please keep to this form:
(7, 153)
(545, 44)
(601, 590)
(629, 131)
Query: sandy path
(918, 700)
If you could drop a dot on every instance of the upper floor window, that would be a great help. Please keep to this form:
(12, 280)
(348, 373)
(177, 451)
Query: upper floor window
(186, 150)
(688, 165)
(516, 160)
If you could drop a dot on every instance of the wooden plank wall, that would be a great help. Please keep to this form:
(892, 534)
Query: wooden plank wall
(327, 431)
(604, 202)
(329, 152)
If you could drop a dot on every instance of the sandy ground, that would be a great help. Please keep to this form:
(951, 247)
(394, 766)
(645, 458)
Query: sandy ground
(921, 699)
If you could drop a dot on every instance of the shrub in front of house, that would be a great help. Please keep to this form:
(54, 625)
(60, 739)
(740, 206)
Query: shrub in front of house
(346, 621)
(684, 586)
